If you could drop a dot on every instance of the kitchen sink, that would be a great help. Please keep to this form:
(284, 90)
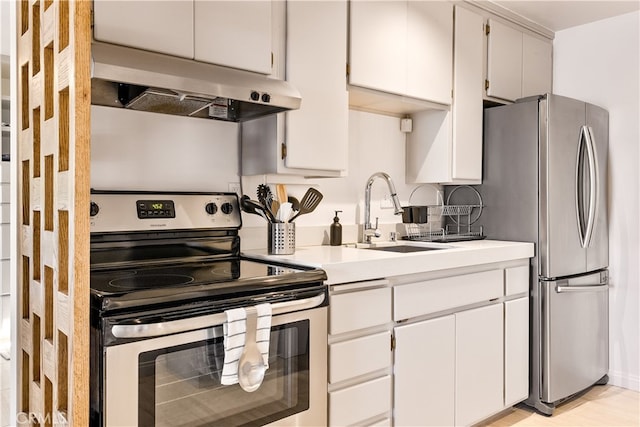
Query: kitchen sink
(405, 249)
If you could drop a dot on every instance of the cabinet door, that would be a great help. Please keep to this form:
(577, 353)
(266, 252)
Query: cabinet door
(466, 151)
(424, 373)
(159, 26)
(516, 351)
(536, 66)
(234, 33)
(479, 364)
(317, 133)
(504, 61)
(378, 45)
(429, 50)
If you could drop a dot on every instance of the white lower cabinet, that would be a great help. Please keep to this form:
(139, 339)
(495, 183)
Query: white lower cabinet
(461, 344)
(352, 405)
(516, 351)
(360, 354)
(460, 352)
(479, 364)
(449, 370)
(424, 372)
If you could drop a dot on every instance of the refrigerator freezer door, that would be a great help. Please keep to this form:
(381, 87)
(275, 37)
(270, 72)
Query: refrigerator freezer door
(575, 334)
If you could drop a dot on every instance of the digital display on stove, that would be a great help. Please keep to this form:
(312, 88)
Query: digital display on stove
(151, 209)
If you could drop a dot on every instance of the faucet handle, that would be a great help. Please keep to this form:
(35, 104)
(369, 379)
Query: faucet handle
(376, 231)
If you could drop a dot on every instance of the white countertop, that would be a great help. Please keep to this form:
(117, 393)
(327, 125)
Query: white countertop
(349, 264)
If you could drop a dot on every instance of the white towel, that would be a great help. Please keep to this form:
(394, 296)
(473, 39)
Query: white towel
(263, 331)
(234, 336)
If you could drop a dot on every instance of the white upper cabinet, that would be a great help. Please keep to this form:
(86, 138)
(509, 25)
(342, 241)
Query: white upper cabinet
(466, 149)
(317, 134)
(446, 147)
(504, 61)
(536, 66)
(402, 48)
(234, 34)
(378, 45)
(429, 50)
(518, 64)
(159, 26)
(313, 140)
(230, 33)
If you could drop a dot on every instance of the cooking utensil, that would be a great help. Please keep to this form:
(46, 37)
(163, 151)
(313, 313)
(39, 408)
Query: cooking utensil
(275, 208)
(253, 207)
(284, 213)
(295, 203)
(309, 202)
(251, 368)
(281, 193)
(266, 197)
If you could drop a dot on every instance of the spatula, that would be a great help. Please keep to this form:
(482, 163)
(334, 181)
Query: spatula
(309, 202)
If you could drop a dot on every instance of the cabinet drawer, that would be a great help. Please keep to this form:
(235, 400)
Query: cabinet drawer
(359, 310)
(430, 296)
(360, 402)
(359, 356)
(4, 276)
(5, 193)
(5, 247)
(516, 280)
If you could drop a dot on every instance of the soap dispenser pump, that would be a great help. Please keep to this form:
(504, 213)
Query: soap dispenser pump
(335, 231)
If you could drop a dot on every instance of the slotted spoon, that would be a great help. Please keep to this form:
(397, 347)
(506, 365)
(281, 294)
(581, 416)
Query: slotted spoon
(309, 202)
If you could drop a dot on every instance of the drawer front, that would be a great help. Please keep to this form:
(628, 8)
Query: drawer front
(4, 276)
(516, 280)
(359, 310)
(430, 296)
(359, 356)
(5, 193)
(5, 247)
(360, 402)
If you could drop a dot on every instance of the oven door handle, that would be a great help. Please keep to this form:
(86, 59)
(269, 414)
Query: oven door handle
(193, 323)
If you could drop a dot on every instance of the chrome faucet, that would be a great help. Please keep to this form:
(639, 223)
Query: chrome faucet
(370, 231)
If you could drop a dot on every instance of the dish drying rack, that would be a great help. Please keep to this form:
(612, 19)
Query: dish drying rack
(463, 216)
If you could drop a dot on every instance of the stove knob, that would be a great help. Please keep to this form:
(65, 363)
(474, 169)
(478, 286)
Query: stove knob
(227, 208)
(211, 208)
(93, 211)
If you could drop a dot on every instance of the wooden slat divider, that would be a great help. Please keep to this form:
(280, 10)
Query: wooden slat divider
(53, 56)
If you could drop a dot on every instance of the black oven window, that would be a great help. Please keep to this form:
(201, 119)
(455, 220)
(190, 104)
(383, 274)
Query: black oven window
(180, 386)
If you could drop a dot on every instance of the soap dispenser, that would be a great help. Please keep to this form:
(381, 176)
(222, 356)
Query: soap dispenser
(335, 232)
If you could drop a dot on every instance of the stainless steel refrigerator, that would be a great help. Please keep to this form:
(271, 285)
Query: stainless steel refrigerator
(545, 181)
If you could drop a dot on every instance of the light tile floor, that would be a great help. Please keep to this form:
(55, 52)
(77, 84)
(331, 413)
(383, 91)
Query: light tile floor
(608, 406)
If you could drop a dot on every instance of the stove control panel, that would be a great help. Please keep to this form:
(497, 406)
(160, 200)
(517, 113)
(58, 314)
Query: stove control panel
(150, 209)
(113, 211)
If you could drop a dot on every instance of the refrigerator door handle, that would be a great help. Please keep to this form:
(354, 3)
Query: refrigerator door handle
(583, 288)
(586, 230)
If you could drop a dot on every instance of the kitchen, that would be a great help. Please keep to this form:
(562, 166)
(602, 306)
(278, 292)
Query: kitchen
(375, 141)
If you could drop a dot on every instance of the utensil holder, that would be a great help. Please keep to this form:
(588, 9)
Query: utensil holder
(282, 238)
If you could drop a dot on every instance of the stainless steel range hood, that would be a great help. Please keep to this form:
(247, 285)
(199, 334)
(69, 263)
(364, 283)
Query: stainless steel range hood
(140, 80)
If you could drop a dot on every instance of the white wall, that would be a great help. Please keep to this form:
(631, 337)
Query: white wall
(599, 63)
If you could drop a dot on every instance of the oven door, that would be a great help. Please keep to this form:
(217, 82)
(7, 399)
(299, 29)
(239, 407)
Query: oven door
(174, 380)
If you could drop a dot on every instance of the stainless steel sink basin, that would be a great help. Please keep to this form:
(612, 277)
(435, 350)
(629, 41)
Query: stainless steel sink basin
(405, 249)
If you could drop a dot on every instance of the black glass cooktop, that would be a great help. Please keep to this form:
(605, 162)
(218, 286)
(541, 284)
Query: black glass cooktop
(119, 288)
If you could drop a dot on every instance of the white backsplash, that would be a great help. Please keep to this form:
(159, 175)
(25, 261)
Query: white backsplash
(132, 150)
